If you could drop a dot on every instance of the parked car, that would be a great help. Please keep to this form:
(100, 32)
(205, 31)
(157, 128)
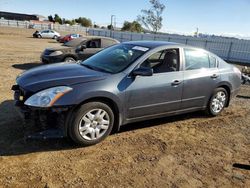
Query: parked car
(125, 83)
(77, 49)
(46, 34)
(68, 38)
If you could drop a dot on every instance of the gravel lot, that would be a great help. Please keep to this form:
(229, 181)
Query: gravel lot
(190, 150)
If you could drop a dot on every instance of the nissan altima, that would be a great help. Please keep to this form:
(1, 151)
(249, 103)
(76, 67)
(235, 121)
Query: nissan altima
(125, 83)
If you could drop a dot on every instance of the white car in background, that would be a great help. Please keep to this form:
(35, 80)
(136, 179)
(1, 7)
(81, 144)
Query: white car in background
(46, 34)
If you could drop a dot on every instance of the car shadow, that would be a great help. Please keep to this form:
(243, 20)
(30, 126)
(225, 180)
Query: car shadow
(12, 135)
(161, 121)
(54, 42)
(26, 66)
(243, 97)
(241, 166)
(13, 141)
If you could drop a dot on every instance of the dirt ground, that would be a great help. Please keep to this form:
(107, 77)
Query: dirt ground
(190, 150)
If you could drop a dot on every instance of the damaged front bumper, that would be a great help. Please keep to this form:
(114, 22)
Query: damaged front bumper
(41, 123)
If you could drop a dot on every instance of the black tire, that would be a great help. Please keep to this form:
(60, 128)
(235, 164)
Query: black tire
(39, 36)
(55, 37)
(73, 128)
(243, 80)
(211, 108)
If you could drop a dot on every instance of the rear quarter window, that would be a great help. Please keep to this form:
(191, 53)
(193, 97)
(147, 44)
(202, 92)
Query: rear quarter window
(106, 43)
(213, 62)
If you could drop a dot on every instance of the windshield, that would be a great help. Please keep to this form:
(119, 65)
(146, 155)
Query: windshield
(74, 43)
(116, 58)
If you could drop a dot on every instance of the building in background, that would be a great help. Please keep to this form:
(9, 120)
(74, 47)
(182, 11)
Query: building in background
(20, 17)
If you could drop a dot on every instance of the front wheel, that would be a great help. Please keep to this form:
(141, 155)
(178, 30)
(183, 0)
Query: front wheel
(217, 102)
(92, 123)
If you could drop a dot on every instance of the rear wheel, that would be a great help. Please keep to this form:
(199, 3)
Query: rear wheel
(92, 123)
(217, 102)
(39, 36)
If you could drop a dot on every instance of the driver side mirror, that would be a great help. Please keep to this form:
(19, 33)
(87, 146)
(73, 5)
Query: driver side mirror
(143, 71)
(81, 48)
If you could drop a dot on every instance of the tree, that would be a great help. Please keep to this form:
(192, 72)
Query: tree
(70, 22)
(96, 26)
(132, 26)
(50, 18)
(58, 19)
(110, 27)
(86, 22)
(152, 18)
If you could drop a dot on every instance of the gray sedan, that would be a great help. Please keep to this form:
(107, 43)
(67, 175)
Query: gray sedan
(126, 83)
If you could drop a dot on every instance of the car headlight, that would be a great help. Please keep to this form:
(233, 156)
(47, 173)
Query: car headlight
(56, 53)
(47, 97)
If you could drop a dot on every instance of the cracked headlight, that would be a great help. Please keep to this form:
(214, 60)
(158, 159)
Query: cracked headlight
(47, 97)
(56, 53)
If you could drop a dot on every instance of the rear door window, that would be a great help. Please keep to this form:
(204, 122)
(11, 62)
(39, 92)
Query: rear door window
(196, 59)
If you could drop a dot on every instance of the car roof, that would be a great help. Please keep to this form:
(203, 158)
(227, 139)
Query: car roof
(47, 30)
(154, 44)
(94, 37)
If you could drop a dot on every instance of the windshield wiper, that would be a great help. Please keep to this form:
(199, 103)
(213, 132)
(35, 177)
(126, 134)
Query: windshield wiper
(95, 68)
(88, 66)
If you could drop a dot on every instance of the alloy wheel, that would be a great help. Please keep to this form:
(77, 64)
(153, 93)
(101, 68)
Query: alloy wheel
(218, 102)
(94, 124)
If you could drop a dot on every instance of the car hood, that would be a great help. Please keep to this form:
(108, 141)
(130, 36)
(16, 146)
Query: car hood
(65, 74)
(60, 48)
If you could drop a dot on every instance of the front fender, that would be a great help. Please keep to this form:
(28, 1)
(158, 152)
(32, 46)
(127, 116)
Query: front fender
(87, 91)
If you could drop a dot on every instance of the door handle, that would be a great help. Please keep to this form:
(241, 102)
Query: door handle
(176, 83)
(215, 76)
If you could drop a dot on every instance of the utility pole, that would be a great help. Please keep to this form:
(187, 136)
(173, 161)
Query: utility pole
(197, 32)
(111, 25)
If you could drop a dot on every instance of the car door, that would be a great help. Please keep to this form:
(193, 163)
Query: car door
(159, 94)
(201, 76)
(92, 47)
(45, 34)
(51, 34)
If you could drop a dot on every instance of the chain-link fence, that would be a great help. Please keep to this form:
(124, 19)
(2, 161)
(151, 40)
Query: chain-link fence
(229, 49)
(42, 26)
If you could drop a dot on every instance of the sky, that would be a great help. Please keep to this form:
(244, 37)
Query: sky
(220, 17)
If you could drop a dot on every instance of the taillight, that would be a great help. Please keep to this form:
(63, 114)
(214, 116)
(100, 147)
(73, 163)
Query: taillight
(237, 71)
